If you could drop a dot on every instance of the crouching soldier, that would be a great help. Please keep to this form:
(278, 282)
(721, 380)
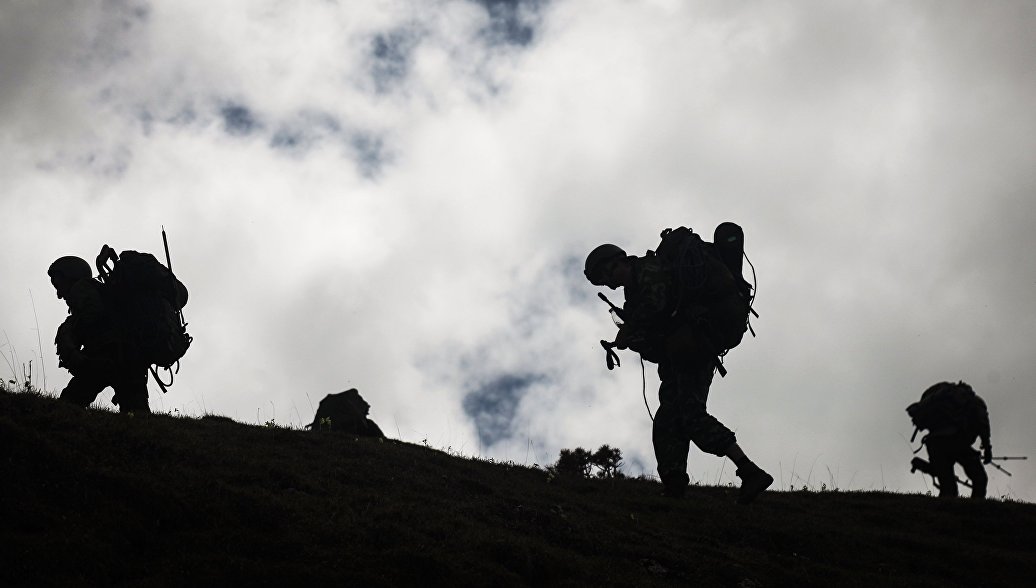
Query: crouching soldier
(90, 344)
(954, 417)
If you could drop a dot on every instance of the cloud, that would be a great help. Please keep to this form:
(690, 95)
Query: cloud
(238, 120)
(512, 22)
(398, 197)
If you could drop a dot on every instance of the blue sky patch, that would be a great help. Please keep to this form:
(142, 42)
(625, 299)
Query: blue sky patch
(493, 406)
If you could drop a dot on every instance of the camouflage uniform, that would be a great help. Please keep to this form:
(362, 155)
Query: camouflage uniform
(686, 357)
(90, 346)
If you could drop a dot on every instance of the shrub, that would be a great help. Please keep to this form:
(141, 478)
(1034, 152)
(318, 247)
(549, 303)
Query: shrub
(603, 463)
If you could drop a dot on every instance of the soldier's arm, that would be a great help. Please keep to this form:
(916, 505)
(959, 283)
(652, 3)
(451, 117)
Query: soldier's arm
(982, 422)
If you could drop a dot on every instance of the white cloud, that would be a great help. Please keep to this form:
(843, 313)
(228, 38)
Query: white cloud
(411, 188)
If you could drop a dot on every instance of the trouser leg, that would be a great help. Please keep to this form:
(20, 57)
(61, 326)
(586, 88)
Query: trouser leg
(975, 471)
(671, 442)
(83, 388)
(941, 460)
(131, 390)
(682, 419)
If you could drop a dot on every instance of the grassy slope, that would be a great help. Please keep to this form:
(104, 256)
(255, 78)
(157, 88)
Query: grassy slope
(97, 498)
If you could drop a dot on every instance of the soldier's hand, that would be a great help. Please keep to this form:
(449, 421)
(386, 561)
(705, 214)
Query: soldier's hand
(987, 454)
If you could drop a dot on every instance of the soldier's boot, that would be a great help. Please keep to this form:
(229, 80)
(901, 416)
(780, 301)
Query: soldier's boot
(674, 485)
(753, 481)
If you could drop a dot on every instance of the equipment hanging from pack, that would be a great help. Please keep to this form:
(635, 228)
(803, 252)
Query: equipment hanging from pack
(147, 300)
(693, 262)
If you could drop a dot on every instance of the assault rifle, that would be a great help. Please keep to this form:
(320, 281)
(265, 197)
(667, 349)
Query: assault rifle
(920, 465)
(1004, 458)
(611, 358)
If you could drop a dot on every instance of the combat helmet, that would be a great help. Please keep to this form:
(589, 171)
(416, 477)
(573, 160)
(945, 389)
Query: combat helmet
(600, 256)
(68, 270)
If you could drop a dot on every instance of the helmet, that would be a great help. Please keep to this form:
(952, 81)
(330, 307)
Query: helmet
(598, 258)
(70, 268)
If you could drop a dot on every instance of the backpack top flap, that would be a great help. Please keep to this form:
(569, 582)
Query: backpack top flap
(944, 405)
(141, 274)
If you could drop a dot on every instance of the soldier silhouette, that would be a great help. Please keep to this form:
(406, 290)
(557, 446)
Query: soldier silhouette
(954, 417)
(90, 344)
(683, 332)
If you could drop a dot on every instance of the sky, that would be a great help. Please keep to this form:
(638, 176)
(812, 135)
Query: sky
(398, 196)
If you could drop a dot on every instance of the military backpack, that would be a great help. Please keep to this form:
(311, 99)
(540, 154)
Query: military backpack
(147, 301)
(694, 261)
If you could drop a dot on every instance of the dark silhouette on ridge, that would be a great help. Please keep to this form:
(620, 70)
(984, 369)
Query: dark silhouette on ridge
(118, 325)
(954, 417)
(345, 412)
(89, 344)
(686, 305)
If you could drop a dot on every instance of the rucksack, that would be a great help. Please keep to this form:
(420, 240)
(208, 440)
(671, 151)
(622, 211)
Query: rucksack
(945, 406)
(147, 301)
(694, 262)
(345, 412)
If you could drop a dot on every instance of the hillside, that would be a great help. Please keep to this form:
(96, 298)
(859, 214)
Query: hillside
(100, 499)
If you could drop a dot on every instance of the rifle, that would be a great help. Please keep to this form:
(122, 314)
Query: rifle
(918, 464)
(1004, 458)
(611, 358)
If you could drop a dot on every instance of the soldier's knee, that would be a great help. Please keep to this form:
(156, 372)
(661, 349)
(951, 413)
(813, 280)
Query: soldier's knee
(712, 437)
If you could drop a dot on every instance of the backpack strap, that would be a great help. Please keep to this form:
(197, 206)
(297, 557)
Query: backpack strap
(106, 256)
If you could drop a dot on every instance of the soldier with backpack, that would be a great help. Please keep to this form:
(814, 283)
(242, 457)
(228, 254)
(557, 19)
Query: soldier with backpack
(954, 417)
(118, 325)
(686, 304)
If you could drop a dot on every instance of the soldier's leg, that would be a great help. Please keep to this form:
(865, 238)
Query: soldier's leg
(712, 436)
(940, 458)
(670, 439)
(971, 461)
(671, 442)
(131, 390)
(682, 418)
(83, 388)
(705, 430)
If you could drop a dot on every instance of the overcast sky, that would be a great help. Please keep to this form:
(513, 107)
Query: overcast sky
(398, 196)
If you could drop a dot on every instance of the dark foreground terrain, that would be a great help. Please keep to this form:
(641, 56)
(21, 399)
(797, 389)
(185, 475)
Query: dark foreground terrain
(92, 498)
